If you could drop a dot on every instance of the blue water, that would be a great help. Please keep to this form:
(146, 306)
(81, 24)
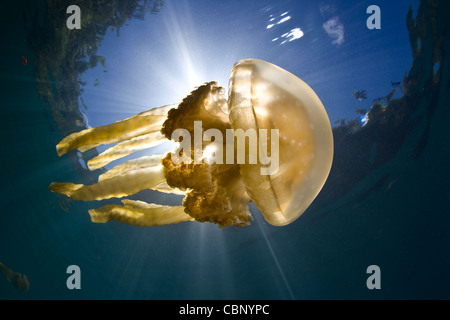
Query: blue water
(401, 224)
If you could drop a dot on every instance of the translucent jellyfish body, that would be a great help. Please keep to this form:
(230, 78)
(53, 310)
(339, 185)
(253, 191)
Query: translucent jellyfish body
(270, 142)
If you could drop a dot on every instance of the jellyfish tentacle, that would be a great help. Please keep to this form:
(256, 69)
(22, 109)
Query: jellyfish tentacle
(165, 188)
(115, 187)
(126, 148)
(83, 148)
(133, 164)
(142, 123)
(139, 213)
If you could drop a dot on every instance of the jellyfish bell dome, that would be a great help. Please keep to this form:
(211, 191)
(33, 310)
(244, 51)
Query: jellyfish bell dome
(265, 96)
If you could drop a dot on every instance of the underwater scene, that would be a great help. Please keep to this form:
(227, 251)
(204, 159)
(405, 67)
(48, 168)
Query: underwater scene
(225, 150)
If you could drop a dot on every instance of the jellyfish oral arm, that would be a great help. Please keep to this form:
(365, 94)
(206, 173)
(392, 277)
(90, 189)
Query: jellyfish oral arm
(115, 187)
(140, 124)
(139, 213)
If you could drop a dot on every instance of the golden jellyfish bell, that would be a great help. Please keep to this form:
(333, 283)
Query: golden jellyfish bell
(265, 96)
(270, 143)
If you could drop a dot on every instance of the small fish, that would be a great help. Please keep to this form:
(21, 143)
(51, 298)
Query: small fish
(79, 123)
(396, 84)
(24, 60)
(360, 95)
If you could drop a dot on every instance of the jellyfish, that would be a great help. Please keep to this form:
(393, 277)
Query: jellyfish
(269, 143)
(20, 281)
